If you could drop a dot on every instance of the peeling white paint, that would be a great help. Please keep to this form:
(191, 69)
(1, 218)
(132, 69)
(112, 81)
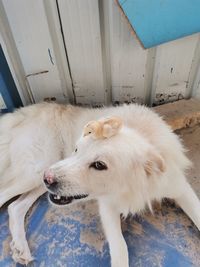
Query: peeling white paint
(100, 61)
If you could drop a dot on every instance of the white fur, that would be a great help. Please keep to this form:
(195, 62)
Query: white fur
(145, 161)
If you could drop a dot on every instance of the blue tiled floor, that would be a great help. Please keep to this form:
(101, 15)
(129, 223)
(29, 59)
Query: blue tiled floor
(73, 237)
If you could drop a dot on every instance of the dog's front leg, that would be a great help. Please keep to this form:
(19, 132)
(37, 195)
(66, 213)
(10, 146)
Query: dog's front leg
(189, 202)
(112, 227)
(17, 211)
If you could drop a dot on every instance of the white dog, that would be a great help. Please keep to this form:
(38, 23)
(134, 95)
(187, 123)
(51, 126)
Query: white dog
(124, 161)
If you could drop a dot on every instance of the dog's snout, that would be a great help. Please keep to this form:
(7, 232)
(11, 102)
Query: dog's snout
(49, 179)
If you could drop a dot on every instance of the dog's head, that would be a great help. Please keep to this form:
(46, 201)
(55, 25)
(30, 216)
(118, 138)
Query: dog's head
(109, 159)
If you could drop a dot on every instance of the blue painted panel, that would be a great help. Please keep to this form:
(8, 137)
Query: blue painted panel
(8, 89)
(159, 21)
(74, 237)
(6, 96)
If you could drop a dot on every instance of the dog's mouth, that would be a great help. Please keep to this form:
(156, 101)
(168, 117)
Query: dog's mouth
(64, 200)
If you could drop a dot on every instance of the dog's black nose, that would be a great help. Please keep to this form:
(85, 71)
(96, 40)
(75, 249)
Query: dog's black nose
(49, 179)
(54, 184)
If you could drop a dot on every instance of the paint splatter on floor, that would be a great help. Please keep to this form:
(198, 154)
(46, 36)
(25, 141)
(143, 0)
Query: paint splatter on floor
(73, 237)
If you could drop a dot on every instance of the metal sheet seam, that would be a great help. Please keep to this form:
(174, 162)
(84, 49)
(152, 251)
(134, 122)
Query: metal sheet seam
(149, 74)
(194, 75)
(55, 29)
(104, 21)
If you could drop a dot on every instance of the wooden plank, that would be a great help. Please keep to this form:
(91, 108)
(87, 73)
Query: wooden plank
(180, 114)
(81, 27)
(29, 27)
(13, 59)
(53, 20)
(172, 69)
(128, 61)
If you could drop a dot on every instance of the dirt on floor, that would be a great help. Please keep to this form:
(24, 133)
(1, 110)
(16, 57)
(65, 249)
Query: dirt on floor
(191, 140)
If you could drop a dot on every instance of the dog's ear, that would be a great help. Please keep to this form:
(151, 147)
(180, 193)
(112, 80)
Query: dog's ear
(104, 128)
(155, 164)
(111, 126)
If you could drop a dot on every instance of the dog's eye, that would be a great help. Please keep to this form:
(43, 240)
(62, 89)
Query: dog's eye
(98, 165)
(76, 150)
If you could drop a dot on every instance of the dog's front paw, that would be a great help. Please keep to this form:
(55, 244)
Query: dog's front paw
(119, 264)
(121, 261)
(20, 252)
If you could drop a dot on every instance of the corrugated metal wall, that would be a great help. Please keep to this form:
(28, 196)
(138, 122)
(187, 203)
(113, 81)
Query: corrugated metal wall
(90, 55)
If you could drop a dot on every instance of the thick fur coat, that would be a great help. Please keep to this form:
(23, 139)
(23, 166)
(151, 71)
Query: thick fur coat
(125, 157)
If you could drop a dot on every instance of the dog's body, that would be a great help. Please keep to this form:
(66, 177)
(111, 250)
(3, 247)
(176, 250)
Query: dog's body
(36, 137)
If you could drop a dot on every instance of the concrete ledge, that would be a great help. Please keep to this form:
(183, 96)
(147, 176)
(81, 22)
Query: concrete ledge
(180, 114)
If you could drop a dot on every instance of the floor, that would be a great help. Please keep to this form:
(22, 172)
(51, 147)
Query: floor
(73, 236)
